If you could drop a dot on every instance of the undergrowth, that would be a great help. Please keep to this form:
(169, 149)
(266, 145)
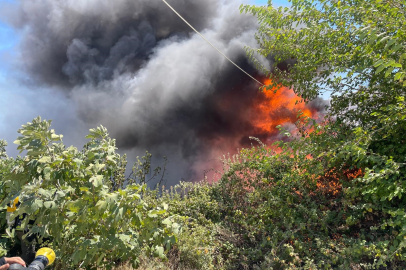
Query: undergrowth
(301, 207)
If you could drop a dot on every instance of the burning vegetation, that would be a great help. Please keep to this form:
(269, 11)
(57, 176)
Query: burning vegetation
(241, 112)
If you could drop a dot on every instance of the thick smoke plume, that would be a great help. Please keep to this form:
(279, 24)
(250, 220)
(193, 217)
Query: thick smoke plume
(135, 67)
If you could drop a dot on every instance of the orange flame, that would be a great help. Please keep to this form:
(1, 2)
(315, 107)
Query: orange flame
(278, 106)
(257, 114)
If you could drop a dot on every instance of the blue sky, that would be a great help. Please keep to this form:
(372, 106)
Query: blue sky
(275, 2)
(7, 35)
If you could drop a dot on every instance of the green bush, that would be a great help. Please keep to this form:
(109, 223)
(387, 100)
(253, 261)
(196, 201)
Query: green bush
(317, 202)
(79, 200)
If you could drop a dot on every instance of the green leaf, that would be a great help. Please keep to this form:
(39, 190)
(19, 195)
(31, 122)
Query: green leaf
(74, 206)
(18, 142)
(45, 159)
(98, 167)
(390, 43)
(383, 40)
(159, 252)
(55, 137)
(396, 65)
(167, 221)
(50, 205)
(396, 48)
(47, 173)
(381, 67)
(119, 214)
(112, 198)
(60, 194)
(45, 193)
(34, 153)
(96, 180)
(101, 205)
(155, 213)
(398, 75)
(378, 63)
(36, 205)
(389, 71)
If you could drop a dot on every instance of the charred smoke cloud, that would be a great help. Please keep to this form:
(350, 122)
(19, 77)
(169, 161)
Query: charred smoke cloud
(136, 68)
(76, 42)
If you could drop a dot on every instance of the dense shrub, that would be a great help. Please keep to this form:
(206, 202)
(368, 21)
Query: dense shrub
(79, 201)
(316, 202)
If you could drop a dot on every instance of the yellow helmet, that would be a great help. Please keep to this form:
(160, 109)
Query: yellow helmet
(13, 205)
(48, 253)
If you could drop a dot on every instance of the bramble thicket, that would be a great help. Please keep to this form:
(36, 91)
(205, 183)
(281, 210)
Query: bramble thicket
(331, 196)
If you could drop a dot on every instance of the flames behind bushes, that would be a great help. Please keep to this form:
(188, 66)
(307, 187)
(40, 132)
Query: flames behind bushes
(136, 68)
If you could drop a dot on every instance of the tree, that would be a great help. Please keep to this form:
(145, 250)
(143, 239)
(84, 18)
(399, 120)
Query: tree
(356, 50)
(80, 201)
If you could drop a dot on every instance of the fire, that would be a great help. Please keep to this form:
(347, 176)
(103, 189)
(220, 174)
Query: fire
(242, 113)
(331, 183)
(277, 107)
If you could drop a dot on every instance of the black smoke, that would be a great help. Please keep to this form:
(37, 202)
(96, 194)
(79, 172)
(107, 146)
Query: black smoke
(76, 42)
(136, 68)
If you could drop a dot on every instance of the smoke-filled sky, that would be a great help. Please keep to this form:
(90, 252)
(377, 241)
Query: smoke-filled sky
(136, 68)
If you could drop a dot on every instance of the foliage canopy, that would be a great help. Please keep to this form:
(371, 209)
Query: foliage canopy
(79, 200)
(356, 50)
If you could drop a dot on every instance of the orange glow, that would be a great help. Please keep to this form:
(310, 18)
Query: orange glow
(330, 184)
(243, 114)
(277, 108)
